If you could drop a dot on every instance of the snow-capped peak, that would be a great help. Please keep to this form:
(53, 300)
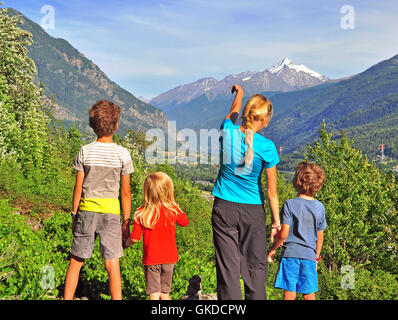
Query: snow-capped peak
(287, 63)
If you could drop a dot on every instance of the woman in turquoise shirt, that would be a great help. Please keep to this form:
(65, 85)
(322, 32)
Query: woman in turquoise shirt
(238, 216)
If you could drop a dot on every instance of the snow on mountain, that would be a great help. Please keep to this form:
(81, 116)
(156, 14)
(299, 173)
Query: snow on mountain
(280, 66)
(287, 63)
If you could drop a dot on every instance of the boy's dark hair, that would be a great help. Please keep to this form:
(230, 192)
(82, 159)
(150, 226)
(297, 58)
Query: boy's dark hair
(103, 117)
(309, 178)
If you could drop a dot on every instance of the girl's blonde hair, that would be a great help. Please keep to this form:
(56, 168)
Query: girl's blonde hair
(158, 192)
(256, 108)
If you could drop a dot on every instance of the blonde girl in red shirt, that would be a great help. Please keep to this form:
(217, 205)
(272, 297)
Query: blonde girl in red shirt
(155, 222)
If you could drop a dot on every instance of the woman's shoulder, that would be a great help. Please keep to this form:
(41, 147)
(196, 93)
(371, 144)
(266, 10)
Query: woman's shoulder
(264, 146)
(263, 139)
(228, 124)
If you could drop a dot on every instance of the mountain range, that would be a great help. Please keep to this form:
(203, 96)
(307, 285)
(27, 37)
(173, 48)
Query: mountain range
(75, 83)
(365, 105)
(285, 76)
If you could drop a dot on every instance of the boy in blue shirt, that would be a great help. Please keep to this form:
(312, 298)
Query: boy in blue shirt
(303, 221)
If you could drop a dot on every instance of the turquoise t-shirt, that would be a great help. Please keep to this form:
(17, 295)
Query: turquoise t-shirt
(237, 182)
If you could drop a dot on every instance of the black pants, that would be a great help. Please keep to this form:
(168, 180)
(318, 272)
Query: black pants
(240, 244)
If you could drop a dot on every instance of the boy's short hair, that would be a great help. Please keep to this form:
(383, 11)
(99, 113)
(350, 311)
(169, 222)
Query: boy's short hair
(309, 178)
(103, 117)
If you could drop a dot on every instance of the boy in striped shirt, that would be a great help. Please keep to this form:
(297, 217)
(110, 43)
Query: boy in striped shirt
(101, 165)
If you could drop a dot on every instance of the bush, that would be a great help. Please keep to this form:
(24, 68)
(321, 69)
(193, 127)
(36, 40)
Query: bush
(35, 256)
(361, 207)
(367, 285)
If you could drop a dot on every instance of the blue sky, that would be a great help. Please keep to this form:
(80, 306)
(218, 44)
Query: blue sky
(149, 47)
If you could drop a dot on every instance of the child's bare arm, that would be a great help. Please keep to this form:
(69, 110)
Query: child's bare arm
(77, 195)
(319, 243)
(126, 205)
(77, 192)
(279, 240)
(182, 219)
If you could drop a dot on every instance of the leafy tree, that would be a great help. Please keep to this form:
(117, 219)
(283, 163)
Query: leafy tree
(361, 206)
(9, 131)
(138, 139)
(74, 140)
(18, 72)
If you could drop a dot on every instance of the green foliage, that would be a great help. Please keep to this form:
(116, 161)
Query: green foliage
(9, 130)
(367, 285)
(40, 153)
(74, 140)
(18, 71)
(200, 172)
(361, 207)
(33, 251)
(285, 192)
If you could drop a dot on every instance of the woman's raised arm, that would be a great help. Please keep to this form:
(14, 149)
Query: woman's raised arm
(236, 104)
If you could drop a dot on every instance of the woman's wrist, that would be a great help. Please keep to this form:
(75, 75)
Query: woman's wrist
(275, 223)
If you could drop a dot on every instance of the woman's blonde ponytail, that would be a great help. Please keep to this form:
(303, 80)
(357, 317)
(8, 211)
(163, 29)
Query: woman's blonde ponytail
(257, 108)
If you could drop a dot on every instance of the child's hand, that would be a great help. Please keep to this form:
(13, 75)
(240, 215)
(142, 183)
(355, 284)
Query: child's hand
(73, 224)
(271, 255)
(275, 233)
(125, 230)
(128, 242)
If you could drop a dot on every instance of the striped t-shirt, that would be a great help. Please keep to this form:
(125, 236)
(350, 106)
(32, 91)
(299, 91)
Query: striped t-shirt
(103, 165)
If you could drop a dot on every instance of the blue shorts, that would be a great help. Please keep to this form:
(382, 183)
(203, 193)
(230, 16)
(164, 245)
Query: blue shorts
(297, 275)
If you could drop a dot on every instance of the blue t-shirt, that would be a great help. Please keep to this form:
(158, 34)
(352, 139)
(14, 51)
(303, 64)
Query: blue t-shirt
(305, 218)
(237, 182)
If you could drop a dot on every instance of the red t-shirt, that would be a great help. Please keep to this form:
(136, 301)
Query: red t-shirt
(160, 242)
